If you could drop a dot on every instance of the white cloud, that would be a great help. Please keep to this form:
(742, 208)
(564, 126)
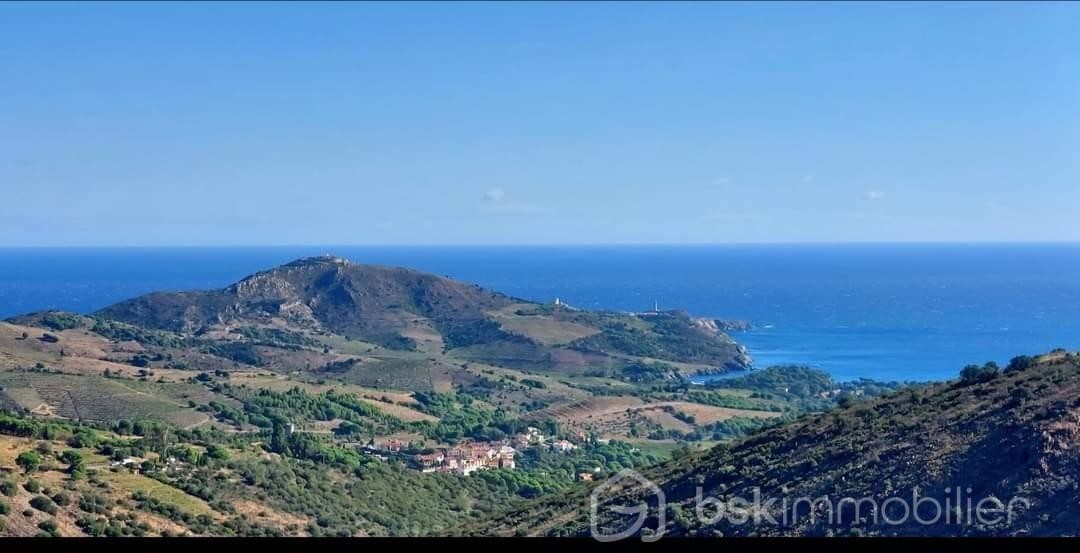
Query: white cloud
(514, 208)
(874, 195)
(718, 182)
(497, 201)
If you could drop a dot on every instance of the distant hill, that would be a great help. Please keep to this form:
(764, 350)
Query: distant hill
(402, 309)
(326, 320)
(366, 301)
(1007, 436)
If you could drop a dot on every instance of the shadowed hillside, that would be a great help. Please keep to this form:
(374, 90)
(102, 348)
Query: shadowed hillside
(1007, 436)
(366, 301)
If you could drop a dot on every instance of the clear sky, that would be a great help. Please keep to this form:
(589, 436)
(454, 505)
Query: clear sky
(241, 124)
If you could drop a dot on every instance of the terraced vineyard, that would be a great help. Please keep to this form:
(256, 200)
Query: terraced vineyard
(92, 399)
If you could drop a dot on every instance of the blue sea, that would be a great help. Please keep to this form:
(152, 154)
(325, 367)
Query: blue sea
(888, 312)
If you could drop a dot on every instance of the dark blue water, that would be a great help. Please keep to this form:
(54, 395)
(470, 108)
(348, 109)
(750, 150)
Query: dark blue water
(892, 312)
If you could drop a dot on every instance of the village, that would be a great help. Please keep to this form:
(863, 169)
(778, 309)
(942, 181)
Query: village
(470, 456)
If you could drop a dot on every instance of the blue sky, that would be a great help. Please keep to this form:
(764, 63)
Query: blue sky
(241, 124)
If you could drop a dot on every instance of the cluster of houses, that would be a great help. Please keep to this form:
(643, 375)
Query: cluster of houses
(532, 437)
(829, 394)
(468, 457)
(472, 456)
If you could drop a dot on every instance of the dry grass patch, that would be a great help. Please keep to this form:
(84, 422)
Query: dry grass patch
(406, 414)
(132, 483)
(583, 411)
(11, 447)
(666, 420)
(708, 414)
(544, 329)
(284, 384)
(269, 517)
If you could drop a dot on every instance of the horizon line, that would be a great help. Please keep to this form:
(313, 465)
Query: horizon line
(552, 245)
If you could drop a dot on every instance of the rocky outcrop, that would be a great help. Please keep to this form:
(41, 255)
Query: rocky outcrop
(732, 325)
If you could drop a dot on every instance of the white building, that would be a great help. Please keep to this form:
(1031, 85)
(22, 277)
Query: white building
(563, 446)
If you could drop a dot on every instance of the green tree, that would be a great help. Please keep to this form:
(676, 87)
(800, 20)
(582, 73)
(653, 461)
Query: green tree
(70, 456)
(30, 461)
(279, 438)
(83, 439)
(972, 374)
(76, 463)
(215, 451)
(1020, 362)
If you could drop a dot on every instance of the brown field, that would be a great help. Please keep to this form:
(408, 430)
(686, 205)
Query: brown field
(666, 420)
(406, 414)
(544, 329)
(583, 411)
(425, 335)
(703, 414)
(10, 447)
(267, 516)
(75, 342)
(613, 416)
(16, 352)
(166, 494)
(84, 353)
(708, 414)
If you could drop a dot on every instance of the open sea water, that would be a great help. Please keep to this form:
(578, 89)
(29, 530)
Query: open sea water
(888, 312)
